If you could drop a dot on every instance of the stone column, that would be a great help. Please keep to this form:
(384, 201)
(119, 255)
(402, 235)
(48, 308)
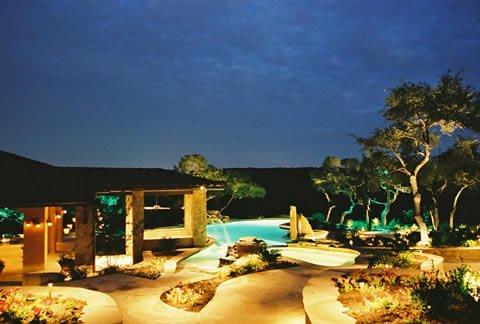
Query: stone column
(134, 228)
(85, 236)
(52, 233)
(59, 224)
(293, 223)
(35, 238)
(195, 209)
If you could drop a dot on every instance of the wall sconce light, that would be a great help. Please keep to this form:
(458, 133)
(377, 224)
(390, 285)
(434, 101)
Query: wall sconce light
(74, 219)
(37, 225)
(28, 224)
(58, 216)
(49, 224)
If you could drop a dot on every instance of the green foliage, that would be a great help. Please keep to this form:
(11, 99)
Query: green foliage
(237, 185)
(388, 259)
(357, 225)
(270, 257)
(197, 165)
(246, 264)
(363, 280)
(110, 225)
(460, 236)
(11, 221)
(317, 220)
(453, 297)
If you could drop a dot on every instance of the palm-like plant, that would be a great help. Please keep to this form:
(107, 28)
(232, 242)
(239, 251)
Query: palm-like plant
(270, 257)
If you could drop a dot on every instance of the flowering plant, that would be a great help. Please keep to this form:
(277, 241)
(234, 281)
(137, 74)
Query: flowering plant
(17, 306)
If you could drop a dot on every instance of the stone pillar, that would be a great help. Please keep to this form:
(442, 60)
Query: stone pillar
(52, 231)
(35, 238)
(58, 224)
(134, 228)
(195, 209)
(84, 236)
(293, 223)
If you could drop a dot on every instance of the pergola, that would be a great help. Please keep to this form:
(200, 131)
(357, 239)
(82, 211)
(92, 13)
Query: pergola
(42, 191)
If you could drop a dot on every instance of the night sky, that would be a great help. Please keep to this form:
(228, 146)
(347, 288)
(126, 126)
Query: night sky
(245, 83)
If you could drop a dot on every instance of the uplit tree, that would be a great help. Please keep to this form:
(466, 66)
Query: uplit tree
(237, 185)
(382, 186)
(419, 116)
(452, 172)
(338, 176)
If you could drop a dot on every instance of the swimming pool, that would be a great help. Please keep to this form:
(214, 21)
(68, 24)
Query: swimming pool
(268, 230)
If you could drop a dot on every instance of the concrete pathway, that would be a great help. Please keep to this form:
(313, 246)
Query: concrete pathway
(274, 296)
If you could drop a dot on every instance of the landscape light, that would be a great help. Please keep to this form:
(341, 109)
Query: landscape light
(50, 290)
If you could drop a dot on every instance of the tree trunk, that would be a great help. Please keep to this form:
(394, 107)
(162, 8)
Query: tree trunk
(228, 203)
(330, 208)
(329, 212)
(417, 199)
(367, 212)
(349, 210)
(385, 212)
(454, 206)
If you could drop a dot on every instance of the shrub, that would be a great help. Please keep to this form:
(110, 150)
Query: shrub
(246, 264)
(191, 296)
(151, 270)
(111, 269)
(357, 225)
(66, 261)
(471, 243)
(166, 244)
(454, 296)
(270, 257)
(387, 259)
(80, 272)
(317, 220)
(460, 236)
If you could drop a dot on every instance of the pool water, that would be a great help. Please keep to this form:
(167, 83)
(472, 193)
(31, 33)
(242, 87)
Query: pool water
(227, 234)
(268, 230)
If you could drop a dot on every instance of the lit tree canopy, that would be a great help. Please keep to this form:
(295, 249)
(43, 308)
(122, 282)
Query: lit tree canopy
(419, 116)
(338, 176)
(237, 185)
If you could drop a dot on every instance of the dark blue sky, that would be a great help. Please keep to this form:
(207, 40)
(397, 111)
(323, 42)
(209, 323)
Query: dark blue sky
(246, 83)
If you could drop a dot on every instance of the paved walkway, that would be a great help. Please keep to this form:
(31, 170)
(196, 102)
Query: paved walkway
(273, 296)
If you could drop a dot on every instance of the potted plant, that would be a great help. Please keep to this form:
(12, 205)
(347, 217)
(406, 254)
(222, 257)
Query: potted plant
(66, 263)
(2, 265)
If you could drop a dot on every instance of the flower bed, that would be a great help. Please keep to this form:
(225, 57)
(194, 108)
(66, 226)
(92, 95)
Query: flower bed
(16, 306)
(374, 297)
(196, 295)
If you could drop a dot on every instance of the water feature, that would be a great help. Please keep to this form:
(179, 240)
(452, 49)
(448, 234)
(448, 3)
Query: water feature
(268, 230)
(228, 233)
